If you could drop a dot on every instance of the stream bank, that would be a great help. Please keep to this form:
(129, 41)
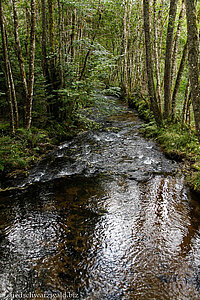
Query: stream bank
(177, 141)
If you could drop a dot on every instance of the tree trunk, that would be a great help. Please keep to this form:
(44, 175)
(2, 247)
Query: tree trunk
(20, 57)
(185, 102)
(61, 75)
(6, 62)
(27, 28)
(176, 44)
(168, 58)
(193, 56)
(125, 81)
(73, 20)
(157, 69)
(12, 85)
(178, 79)
(151, 87)
(51, 41)
(44, 40)
(31, 65)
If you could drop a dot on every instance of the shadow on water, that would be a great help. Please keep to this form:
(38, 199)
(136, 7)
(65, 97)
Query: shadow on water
(103, 217)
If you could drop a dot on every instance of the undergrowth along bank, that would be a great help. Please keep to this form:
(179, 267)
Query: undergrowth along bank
(177, 141)
(19, 153)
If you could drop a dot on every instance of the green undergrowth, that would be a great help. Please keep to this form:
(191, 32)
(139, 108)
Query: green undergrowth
(21, 151)
(178, 142)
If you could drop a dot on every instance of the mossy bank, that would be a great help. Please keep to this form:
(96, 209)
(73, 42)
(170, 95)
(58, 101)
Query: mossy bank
(178, 141)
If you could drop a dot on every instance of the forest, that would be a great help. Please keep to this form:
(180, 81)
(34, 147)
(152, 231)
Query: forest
(56, 55)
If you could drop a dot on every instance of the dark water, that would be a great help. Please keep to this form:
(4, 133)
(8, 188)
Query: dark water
(106, 216)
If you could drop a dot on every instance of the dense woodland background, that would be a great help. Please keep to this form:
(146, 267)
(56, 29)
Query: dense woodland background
(56, 54)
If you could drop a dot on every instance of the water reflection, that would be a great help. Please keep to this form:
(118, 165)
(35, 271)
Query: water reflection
(102, 238)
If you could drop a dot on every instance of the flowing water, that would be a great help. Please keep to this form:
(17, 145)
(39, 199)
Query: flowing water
(105, 216)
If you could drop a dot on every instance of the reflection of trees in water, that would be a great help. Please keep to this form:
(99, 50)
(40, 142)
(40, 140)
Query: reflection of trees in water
(77, 215)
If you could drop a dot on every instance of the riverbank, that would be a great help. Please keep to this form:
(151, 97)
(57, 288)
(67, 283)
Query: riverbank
(176, 141)
(20, 153)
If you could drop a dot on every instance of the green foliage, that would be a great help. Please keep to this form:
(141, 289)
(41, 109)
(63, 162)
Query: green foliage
(11, 154)
(112, 91)
(31, 137)
(22, 150)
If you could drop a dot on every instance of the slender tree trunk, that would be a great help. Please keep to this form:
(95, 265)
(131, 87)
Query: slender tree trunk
(168, 58)
(178, 79)
(157, 70)
(151, 87)
(51, 40)
(44, 40)
(125, 81)
(72, 37)
(185, 102)
(129, 48)
(12, 85)
(61, 75)
(188, 108)
(163, 21)
(27, 29)
(138, 54)
(31, 64)
(6, 62)
(176, 44)
(20, 57)
(193, 55)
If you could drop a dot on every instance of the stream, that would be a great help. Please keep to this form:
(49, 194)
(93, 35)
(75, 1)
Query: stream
(105, 216)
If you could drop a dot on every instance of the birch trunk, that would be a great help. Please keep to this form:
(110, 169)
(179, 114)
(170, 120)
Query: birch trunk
(157, 70)
(176, 44)
(20, 57)
(151, 87)
(31, 65)
(60, 46)
(178, 79)
(13, 93)
(125, 80)
(168, 58)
